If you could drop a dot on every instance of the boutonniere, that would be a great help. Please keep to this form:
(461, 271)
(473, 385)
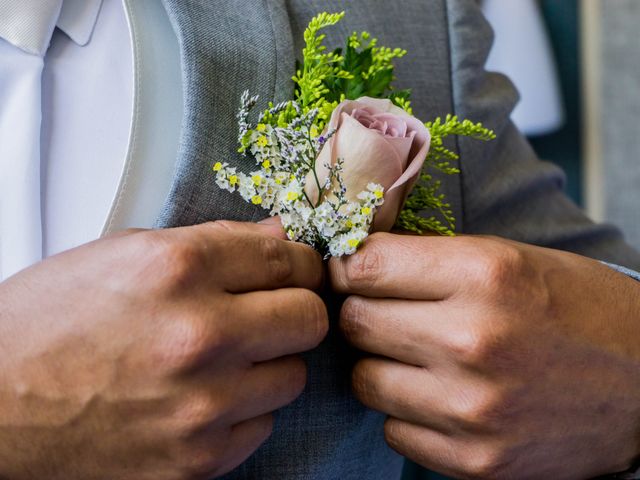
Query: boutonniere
(345, 156)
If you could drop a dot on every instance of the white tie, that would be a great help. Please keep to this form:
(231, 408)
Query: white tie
(20, 229)
(20, 96)
(28, 25)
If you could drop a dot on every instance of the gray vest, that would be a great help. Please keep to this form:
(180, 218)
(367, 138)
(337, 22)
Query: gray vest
(228, 46)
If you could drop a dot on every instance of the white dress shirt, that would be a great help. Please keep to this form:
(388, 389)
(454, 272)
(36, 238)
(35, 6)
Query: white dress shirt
(90, 116)
(522, 50)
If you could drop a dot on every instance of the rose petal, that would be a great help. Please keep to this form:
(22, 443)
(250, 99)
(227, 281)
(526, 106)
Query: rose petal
(383, 164)
(365, 117)
(393, 122)
(402, 147)
(370, 156)
(418, 153)
(379, 126)
(382, 105)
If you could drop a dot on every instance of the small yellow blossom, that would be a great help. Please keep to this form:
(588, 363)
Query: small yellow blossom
(257, 180)
(262, 141)
(379, 194)
(256, 200)
(349, 224)
(261, 127)
(354, 242)
(314, 131)
(292, 196)
(217, 167)
(266, 164)
(366, 211)
(233, 180)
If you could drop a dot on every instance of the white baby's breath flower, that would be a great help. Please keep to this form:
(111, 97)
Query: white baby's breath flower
(227, 179)
(305, 212)
(291, 193)
(325, 220)
(246, 188)
(377, 192)
(281, 178)
(347, 243)
(269, 192)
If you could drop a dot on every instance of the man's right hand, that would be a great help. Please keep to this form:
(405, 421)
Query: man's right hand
(154, 354)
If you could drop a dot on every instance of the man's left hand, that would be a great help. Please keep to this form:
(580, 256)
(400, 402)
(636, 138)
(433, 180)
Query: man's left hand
(495, 359)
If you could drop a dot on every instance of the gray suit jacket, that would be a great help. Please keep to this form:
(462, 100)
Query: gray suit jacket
(228, 46)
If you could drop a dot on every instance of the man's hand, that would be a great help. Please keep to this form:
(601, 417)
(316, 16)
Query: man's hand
(154, 355)
(495, 359)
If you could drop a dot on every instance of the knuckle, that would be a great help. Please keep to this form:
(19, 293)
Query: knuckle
(183, 258)
(471, 348)
(488, 462)
(488, 345)
(354, 318)
(199, 465)
(480, 411)
(396, 436)
(364, 384)
(501, 267)
(404, 440)
(276, 259)
(197, 459)
(187, 342)
(175, 264)
(197, 412)
(364, 268)
(317, 315)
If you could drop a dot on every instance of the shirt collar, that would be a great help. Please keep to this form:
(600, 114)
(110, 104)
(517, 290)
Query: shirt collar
(78, 19)
(29, 24)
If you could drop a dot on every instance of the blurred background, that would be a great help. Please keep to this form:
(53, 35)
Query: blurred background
(576, 64)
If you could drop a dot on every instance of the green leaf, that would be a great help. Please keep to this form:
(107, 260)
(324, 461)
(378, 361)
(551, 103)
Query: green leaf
(379, 83)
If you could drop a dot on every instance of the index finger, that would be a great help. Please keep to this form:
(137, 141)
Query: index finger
(248, 257)
(277, 323)
(401, 266)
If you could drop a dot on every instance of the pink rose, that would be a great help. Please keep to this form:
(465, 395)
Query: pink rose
(379, 143)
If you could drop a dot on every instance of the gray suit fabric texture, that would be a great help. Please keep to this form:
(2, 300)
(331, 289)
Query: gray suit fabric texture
(228, 46)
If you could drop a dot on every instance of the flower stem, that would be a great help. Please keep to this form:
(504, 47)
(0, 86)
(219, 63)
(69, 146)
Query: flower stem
(313, 169)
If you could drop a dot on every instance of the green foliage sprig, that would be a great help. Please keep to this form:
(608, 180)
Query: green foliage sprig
(370, 66)
(425, 197)
(318, 69)
(363, 68)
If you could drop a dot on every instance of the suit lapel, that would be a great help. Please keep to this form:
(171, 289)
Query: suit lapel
(227, 46)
